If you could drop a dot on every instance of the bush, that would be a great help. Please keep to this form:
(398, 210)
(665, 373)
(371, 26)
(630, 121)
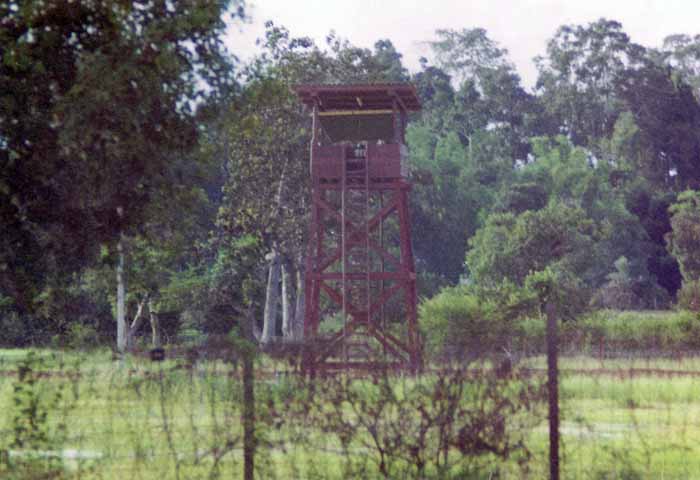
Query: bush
(623, 292)
(618, 330)
(689, 296)
(641, 330)
(78, 336)
(38, 423)
(466, 321)
(451, 423)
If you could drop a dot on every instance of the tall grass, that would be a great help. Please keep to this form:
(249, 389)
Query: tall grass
(136, 419)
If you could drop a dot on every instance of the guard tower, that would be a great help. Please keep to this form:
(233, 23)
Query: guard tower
(360, 276)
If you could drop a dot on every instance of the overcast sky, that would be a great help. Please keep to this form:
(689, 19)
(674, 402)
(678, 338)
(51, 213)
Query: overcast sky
(521, 26)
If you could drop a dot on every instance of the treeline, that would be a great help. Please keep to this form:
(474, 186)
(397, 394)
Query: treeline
(136, 150)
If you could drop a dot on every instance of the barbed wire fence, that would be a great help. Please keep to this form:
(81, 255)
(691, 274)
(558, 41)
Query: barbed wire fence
(624, 413)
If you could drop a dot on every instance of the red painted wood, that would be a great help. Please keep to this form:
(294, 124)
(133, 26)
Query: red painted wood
(385, 162)
(373, 96)
(365, 173)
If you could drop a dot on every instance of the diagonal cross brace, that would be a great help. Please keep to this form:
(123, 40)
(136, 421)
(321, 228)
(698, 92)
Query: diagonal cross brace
(358, 235)
(337, 297)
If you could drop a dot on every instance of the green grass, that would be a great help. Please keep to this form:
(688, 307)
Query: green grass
(159, 422)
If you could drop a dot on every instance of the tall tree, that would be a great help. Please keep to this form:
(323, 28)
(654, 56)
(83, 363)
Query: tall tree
(467, 53)
(97, 97)
(267, 189)
(667, 115)
(682, 53)
(577, 78)
(684, 240)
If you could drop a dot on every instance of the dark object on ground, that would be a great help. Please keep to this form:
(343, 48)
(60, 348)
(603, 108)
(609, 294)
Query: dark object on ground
(157, 354)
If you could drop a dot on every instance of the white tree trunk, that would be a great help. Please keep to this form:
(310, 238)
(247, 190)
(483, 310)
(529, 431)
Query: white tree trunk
(299, 308)
(155, 325)
(136, 323)
(287, 312)
(121, 298)
(271, 299)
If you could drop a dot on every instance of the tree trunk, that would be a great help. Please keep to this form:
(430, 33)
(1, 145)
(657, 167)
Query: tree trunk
(155, 325)
(271, 298)
(287, 295)
(299, 308)
(121, 297)
(136, 324)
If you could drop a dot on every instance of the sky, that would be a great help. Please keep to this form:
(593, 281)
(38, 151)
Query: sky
(521, 26)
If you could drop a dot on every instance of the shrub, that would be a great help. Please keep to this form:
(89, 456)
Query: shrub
(623, 292)
(80, 336)
(689, 295)
(38, 423)
(684, 239)
(466, 321)
(452, 423)
(640, 330)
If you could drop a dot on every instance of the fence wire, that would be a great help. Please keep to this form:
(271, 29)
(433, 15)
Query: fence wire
(624, 414)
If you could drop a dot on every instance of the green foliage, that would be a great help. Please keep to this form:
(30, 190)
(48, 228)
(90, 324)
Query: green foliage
(468, 322)
(520, 197)
(38, 421)
(577, 78)
(651, 207)
(467, 52)
(127, 122)
(96, 114)
(639, 330)
(615, 331)
(433, 205)
(689, 295)
(667, 115)
(509, 247)
(79, 337)
(561, 288)
(618, 292)
(684, 240)
(565, 178)
(452, 423)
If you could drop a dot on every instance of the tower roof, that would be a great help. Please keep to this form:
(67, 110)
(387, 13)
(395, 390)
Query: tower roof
(359, 97)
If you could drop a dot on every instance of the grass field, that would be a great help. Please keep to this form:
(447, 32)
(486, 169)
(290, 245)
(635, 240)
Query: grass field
(133, 419)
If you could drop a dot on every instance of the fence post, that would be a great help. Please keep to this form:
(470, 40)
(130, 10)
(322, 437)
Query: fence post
(553, 389)
(249, 440)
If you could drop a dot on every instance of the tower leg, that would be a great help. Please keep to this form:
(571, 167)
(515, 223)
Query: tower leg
(312, 287)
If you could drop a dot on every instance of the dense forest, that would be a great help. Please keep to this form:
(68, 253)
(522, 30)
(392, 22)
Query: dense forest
(140, 158)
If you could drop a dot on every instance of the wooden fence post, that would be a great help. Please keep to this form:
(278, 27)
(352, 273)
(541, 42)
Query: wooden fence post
(553, 389)
(249, 440)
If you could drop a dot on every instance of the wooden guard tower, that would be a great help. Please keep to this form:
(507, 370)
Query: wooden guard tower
(360, 276)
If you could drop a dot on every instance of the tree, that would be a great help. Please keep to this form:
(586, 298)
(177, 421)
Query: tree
(571, 177)
(509, 247)
(683, 243)
(577, 78)
(521, 197)
(465, 141)
(97, 100)
(490, 95)
(468, 53)
(651, 207)
(684, 239)
(450, 203)
(682, 53)
(267, 189)
(667, 115)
